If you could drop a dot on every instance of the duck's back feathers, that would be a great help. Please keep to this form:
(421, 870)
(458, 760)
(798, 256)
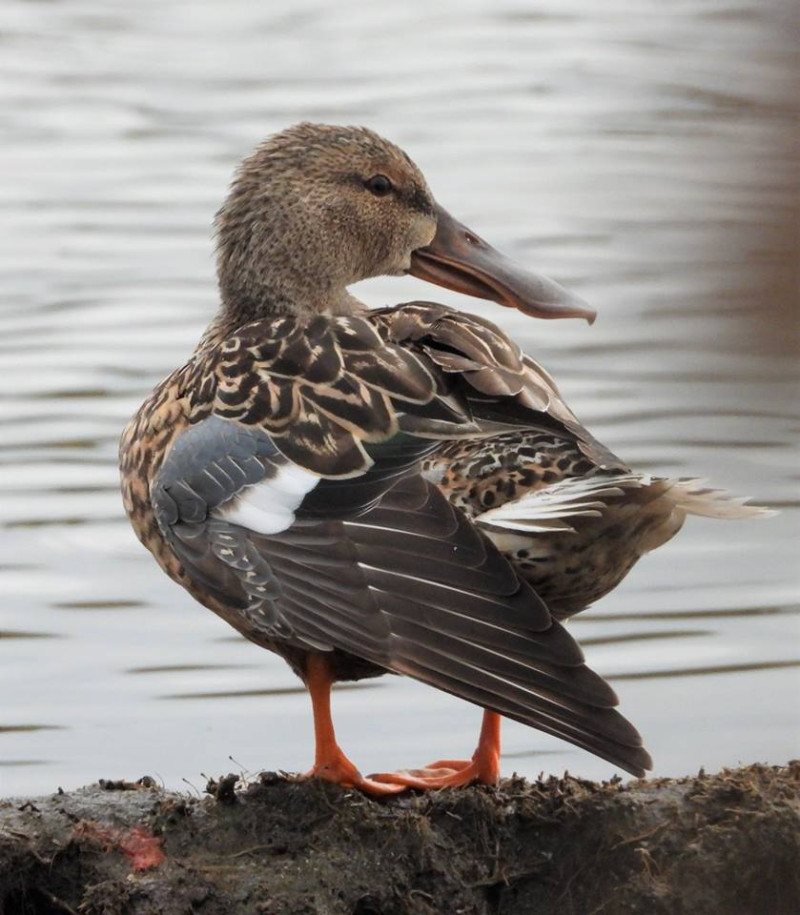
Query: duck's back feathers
(320, 387)
(324, 387)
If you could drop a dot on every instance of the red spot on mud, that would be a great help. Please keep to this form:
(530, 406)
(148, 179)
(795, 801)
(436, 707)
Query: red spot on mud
(142, 848)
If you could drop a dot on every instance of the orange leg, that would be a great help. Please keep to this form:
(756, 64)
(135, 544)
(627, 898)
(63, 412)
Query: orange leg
(484, 767)
(330, 763)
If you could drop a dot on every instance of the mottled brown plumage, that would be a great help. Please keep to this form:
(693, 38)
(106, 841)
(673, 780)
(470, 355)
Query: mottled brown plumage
(397, 489)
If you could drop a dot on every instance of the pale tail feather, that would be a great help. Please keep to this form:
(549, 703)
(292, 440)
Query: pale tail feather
(695, 498)
(551, 508)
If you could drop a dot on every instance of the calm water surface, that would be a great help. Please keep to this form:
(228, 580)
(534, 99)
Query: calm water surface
(640, 152)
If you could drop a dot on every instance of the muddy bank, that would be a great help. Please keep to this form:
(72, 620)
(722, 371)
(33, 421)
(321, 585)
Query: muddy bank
(727, 843)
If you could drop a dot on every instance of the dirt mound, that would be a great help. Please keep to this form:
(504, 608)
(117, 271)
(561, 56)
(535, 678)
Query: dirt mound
(727, 843)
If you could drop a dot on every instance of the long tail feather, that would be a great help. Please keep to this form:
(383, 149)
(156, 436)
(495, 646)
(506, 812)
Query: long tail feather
(554, 507)
(550, 509)
(695, 498)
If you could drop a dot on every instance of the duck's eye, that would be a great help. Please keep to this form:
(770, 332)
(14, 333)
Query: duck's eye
(379, 185)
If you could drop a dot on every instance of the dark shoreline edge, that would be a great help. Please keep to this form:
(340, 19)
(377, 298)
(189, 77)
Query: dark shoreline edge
(724, 843)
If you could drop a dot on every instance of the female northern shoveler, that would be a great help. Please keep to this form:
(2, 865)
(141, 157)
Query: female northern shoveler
(400, 489)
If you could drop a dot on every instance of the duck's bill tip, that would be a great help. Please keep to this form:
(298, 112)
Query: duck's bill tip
(460, 260)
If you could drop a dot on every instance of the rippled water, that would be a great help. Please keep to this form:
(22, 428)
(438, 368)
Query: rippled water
(640, 152)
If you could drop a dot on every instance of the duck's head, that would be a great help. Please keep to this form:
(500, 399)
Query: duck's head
(316, 208)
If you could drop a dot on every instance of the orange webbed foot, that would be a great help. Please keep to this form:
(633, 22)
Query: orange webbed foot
(444, 773)
(340, 771)
(483, 768)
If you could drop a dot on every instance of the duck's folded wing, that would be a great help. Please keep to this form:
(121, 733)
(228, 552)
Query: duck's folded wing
(381, 566)
(501, 387)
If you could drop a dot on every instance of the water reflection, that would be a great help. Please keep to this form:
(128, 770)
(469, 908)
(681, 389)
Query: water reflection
(643, 155)
(600, 617)
(28, 728)
(645, 636)
(298, 690)
(703, 671)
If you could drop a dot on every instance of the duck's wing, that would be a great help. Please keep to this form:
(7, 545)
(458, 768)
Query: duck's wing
(504, 389)
(295, 499)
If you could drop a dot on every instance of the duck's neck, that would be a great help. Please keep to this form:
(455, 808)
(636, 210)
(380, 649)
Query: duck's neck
(234, 314)
(280, 300)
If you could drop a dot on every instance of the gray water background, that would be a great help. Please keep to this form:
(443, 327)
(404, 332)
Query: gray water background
(643, 153)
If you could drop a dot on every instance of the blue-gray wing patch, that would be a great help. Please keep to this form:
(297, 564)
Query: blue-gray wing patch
(208, 465)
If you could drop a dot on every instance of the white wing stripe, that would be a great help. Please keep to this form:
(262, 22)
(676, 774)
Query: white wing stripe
(269, 506)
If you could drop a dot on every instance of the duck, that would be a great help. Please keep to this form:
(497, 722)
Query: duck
(391, 490)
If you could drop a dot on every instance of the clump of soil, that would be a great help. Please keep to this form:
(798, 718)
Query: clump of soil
(727, 843)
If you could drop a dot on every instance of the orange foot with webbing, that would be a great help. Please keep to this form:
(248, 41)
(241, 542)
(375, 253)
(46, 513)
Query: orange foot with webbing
(484, 767)
(339, 770)
(331, 764)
